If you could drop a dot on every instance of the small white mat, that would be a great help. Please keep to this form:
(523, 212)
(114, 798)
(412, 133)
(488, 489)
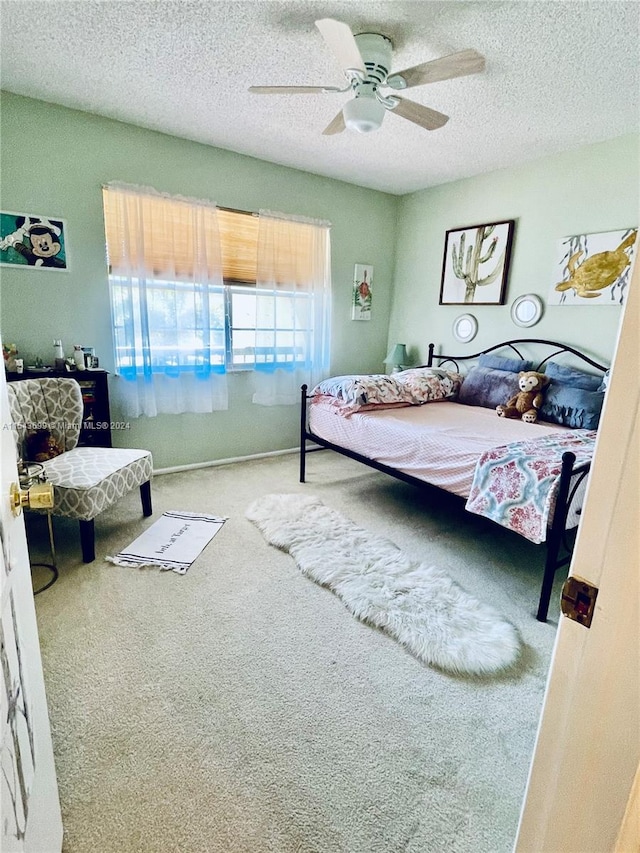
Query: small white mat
(172, 542)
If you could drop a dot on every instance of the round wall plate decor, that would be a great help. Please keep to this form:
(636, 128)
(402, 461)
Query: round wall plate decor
(526, 310)
(465, 328)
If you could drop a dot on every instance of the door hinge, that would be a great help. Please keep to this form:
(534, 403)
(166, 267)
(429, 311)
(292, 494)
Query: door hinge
(578, 600)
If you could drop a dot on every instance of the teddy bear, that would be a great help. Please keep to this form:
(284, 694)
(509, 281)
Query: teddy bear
(527, 402)
(40, 445)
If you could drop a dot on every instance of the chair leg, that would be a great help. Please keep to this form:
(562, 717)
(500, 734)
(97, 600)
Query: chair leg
(145, 496)
(87, 541)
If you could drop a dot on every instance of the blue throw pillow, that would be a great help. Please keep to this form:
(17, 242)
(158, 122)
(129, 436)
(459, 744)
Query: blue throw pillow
(499, 362)
(572, 376)
(577, 408)
(605, 380)
(488, 387)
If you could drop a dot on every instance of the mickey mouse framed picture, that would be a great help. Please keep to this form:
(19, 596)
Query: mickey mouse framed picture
(30, 241)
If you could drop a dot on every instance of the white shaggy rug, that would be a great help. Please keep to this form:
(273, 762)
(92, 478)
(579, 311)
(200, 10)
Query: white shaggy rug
(418, 605)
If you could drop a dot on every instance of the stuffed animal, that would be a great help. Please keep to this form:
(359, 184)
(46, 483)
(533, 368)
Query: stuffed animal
(40, 445)
(527, 402)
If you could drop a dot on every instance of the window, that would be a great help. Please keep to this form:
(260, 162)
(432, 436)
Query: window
(200, 290)
(278, 337)
(176, 332)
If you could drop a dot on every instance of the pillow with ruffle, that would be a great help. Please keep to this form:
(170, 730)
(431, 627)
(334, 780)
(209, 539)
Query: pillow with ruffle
(573, 407)
(574, 397)
(351, 393)
(572, 376)
(429, 384)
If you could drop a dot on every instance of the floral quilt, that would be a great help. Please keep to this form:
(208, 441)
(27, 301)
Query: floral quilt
(516, 484)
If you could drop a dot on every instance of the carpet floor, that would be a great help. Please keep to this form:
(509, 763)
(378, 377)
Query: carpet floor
(241, 708)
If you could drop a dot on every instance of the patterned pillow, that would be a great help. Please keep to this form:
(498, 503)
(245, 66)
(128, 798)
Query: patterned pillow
(428, 384)
(353, 392)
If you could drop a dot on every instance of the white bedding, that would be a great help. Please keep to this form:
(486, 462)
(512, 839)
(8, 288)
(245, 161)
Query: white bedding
(438, 442)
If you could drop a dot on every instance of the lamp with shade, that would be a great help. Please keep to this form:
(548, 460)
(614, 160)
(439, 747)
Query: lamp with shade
(397, 358)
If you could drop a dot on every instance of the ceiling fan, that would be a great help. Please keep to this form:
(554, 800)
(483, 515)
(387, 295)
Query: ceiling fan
(366, 62)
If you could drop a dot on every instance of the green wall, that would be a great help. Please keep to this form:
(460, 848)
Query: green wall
(591, 189)
(54, 162)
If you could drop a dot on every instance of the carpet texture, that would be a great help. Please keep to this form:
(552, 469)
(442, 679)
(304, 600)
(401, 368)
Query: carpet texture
(241, 709)
(418, 605)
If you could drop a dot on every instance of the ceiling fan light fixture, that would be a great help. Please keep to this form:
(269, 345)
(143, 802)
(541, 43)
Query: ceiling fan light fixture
(363, 114)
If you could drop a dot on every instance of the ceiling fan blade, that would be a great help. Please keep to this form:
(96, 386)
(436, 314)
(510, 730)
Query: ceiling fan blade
(418, 114)
(341, 43)
(292, 90)
(337, 125)
(455, 65)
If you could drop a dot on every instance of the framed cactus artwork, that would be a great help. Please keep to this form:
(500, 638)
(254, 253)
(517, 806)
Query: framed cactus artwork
(476, 264)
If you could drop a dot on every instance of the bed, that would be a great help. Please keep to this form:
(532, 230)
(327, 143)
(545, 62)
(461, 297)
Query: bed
(436, 425)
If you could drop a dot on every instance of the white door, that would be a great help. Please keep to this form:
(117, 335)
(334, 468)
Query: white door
(30, 815)
(588, 747)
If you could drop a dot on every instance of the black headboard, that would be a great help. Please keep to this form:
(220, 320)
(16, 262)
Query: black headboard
(555, 348)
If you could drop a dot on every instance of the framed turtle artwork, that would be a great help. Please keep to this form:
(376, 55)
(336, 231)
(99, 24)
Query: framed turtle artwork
(593, 269)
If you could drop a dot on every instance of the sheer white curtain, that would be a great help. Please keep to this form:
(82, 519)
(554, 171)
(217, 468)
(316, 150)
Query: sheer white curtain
(167, 302)
(293, 304)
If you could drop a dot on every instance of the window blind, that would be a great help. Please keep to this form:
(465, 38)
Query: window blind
(239, 244)
(166, 248)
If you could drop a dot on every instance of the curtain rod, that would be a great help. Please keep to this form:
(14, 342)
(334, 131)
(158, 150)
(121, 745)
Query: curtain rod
(274, 214)
(153, 191)
(236, 210)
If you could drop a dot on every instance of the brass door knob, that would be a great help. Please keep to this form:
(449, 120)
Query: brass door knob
(38, 496)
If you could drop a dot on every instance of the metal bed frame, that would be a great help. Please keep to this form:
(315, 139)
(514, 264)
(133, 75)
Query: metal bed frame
(558, 547)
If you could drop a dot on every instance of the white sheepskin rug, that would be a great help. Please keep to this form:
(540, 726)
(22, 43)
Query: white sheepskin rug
(418, 605)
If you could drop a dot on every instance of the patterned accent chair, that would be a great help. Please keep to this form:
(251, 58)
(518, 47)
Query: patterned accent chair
(86, 480)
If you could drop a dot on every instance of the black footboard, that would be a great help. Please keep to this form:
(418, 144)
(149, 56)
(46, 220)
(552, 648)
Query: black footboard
(559, 549)
(558, 546)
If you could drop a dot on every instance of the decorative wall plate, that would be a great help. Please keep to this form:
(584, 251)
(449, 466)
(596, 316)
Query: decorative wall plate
(465, 328)
(526, 310)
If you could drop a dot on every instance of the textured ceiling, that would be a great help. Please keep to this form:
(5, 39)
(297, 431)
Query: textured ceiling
(558, 75)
